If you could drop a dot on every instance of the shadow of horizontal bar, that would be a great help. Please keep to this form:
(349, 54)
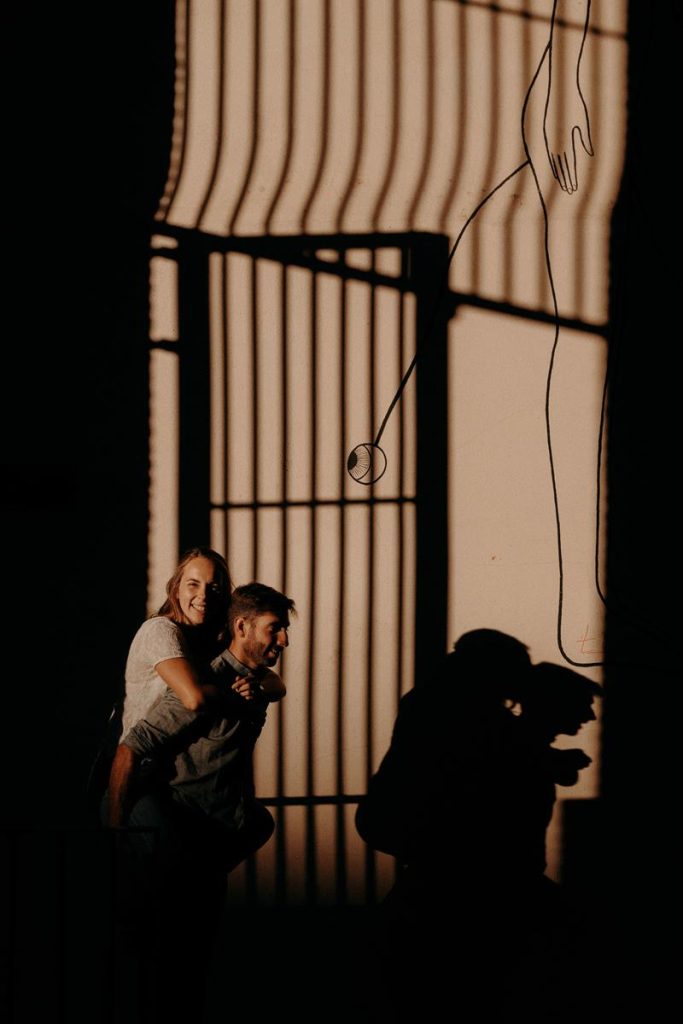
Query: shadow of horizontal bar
(309, 801)
(276, 246)
(514, 12)
(166, 345)
(293, 250)
(164, 253)
(457, 300)
(313, 503)
(73, 829)
(524, 313)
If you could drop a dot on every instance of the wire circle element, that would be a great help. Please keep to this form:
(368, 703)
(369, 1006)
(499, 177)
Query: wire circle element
(367, 463)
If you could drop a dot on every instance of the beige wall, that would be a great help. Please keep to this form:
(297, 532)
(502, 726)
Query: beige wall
(377, 116)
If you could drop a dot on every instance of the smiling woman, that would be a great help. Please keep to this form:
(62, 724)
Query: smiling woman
(174, 648)
(201, 581)
(189, 629)
(198, 591)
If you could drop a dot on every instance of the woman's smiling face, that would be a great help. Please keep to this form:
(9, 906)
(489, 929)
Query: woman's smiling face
(199, 591)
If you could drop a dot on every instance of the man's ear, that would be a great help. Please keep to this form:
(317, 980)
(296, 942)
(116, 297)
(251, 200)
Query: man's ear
(239, 626)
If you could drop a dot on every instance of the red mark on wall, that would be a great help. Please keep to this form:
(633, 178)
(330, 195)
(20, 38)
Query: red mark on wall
(591, 643)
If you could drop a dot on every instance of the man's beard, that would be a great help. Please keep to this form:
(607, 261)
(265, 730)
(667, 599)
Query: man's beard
(259, 654)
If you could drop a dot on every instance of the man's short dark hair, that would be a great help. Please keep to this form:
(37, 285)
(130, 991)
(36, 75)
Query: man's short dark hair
(254, 599)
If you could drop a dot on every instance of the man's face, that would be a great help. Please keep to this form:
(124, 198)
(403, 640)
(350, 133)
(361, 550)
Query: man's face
(263, 640)
(198, 590)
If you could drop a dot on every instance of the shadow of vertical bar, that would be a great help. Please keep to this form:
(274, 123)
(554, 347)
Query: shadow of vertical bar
(403, 360)
(195, 423)
(311, 868)
(343, 519)
(581, 269)
(551, 196)
(514, 206)
(225, 384)
(61, 938)
(493, 129)
(220, 112)
(167, 206)
(254, 412)
(581, 264)
(370, 873)
(430, 256)
(146, 990)
(250, 868)
(360, 120)
(395, 114)
(291, 83)
(280, 834)
(255, 112)
(430, 71)
(12, 923)
(111, 973)
(325, 126)
(461, 118)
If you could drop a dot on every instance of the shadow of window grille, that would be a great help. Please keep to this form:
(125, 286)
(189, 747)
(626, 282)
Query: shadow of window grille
(287, 349)
(60, 946)
(289, 352)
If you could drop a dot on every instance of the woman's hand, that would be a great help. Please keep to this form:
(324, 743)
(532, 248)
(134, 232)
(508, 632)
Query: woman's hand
(268, 684)
(245, 686)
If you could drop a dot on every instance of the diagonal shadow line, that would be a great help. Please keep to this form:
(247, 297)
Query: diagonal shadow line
(531, 16)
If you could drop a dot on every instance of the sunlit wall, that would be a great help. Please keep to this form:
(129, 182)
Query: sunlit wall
(356, 124)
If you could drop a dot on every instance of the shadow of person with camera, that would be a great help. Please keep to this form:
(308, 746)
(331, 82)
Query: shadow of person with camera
(462, 800)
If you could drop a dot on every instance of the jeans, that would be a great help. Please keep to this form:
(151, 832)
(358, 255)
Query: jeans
(171, 882)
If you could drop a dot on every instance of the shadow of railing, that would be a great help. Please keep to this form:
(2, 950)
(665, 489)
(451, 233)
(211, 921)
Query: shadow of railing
(59, 938)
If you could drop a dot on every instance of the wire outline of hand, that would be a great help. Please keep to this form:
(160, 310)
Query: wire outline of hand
(561, 151)
(563, 159)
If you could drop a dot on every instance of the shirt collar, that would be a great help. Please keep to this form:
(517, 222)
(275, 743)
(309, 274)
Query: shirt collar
(239, 667)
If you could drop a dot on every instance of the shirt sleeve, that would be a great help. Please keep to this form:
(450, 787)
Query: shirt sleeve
(162, 727)
(162, 640)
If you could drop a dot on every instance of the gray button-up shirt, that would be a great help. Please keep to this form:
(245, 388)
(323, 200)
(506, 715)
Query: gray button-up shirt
(208, 758)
